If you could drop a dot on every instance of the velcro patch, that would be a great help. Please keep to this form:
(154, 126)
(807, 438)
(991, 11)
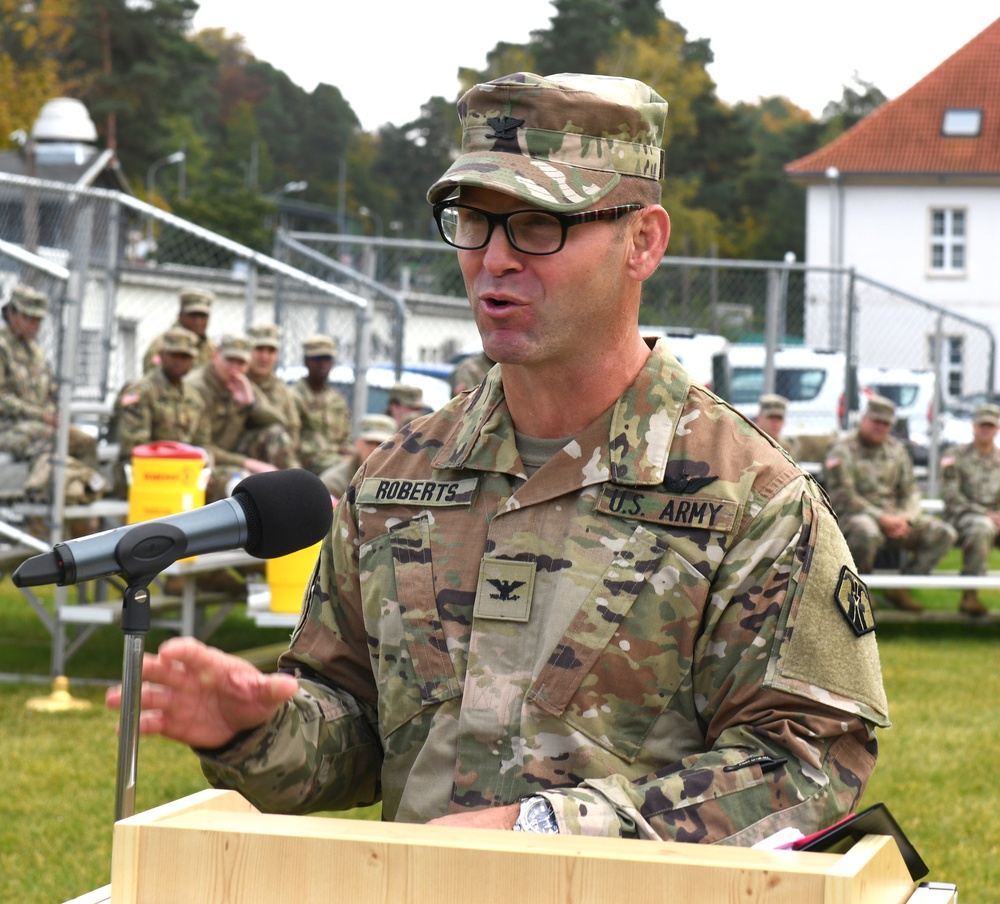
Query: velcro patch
(397, 491)
(855, 602)
(505, 590)
(703, 512)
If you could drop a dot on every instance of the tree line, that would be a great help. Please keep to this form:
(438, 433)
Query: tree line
(153, 87)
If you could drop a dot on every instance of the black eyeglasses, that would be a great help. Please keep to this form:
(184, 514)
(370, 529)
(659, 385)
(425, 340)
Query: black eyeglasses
(529, 231)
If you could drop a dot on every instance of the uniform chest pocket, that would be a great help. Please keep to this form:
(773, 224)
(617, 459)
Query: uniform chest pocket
(409, 648)
(629, 649)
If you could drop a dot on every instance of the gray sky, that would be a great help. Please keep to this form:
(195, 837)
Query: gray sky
(388, 56)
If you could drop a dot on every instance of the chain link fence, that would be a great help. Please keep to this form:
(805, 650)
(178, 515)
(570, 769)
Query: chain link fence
(401, 303)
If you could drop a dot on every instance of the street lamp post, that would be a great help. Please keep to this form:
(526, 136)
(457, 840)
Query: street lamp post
(175, 157)
(287, 189)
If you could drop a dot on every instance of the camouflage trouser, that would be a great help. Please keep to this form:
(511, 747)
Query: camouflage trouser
(976, 535)
(928, 541)
(271, 444)
(27, 440)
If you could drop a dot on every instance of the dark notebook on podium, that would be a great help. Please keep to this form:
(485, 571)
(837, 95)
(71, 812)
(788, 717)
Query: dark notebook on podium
(876, 820)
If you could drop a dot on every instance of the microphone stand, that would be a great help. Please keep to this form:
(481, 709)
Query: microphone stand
(142, 553)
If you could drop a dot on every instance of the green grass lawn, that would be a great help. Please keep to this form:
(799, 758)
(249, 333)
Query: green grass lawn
(936, 772)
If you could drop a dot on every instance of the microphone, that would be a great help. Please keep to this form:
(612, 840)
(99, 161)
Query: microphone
(268, 515)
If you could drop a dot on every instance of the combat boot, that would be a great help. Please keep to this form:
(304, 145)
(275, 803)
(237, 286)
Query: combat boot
(901, 599)
(971, 604)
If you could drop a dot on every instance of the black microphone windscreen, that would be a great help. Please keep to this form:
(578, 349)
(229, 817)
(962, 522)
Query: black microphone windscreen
(285, 510)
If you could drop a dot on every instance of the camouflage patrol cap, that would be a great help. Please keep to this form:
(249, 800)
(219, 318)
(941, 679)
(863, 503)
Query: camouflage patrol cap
(235, 347)
(180, 341)
(196, 301)
(409, 396)
(987, 414)
(319, 346)
(376, 428)
(773, 405)
(881, 409)
(29, 301)
(560, 142)
(265, 335)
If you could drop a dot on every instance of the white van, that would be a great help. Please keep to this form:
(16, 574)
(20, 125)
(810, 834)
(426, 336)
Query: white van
(812, 381)
(705, 356)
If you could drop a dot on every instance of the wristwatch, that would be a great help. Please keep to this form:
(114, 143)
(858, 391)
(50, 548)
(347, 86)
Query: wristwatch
(536, 815)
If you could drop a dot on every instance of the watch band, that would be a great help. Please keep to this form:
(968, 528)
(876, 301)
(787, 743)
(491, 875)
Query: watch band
(536, 815)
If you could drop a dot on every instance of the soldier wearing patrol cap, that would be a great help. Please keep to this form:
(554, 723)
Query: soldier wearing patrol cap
(869, 476)
(771, 419)
(265, 347)
(247, 435)
(970, 487)
(373, 430)
(28, 404)
(323, 412)
(195, 309)
(160, 405)
(404, 403)
(588, 598)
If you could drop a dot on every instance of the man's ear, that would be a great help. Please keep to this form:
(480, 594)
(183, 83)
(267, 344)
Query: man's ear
(650, 235)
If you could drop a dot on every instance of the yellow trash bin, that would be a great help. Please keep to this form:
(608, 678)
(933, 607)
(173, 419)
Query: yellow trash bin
(288, 575)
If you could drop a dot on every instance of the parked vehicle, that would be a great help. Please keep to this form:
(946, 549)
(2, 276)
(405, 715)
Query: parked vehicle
(705, 356)
(813, 382)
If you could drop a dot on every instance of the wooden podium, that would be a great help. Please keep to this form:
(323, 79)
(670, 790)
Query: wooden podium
(215, 848)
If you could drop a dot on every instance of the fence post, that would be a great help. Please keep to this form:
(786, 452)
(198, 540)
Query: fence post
(933, 464)
(771, 316)
(851, 389)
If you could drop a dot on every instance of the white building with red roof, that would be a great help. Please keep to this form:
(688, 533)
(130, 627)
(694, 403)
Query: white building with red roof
(910, 196)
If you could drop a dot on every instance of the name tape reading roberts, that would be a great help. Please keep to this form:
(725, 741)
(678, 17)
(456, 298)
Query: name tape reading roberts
(707, 513)
(391, 490)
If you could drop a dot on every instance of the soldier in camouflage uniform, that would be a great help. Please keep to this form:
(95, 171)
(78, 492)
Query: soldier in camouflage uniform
(323, 412)
(161, 405)
(28, 404)
(265, 345)
(405, 403)
(771, 419)
(195, 309)
(247, 436)
(970, 486)
(588, 597)
(470, 372)
(869, 477)
(373, 430)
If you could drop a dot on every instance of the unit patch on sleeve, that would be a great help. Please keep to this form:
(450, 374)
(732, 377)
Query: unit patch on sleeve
(855, 602)
(396, 491)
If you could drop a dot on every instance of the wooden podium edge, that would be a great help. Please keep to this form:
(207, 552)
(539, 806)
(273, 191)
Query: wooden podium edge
(871, 871)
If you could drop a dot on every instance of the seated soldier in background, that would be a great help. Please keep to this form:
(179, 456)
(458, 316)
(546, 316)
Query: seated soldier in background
(28, 405)
(247, 436)
(405, 403)
(373, 430)
(469, 372)
(160, 405)
(265, 342)
(869, 477)
(771, 419)
(324, 416)
(970, 487)
(195, 309)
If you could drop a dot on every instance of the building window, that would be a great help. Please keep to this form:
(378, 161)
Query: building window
(958, 123)
(947, 242)
(954, 363)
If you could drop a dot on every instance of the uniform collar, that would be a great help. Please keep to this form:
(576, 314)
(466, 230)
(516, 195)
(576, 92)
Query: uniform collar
(629, 444)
